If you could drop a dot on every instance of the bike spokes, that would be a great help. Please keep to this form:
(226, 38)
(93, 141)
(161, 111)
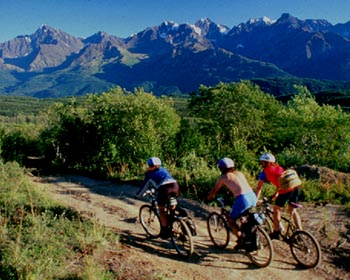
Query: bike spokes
(263, 254)
(218, 230)
(305, 249)
(181, 238)
(150, 221)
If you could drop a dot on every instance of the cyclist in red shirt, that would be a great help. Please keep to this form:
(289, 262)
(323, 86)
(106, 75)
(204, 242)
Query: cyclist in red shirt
(271, 172)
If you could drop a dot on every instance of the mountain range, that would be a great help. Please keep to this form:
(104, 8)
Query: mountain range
(174, 58)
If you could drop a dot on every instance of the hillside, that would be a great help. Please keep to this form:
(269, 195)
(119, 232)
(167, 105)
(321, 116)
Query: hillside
(113, 205)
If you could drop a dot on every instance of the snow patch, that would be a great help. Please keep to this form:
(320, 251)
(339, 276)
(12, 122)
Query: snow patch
(196, 29)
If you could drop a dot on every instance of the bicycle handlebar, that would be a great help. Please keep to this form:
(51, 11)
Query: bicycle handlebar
(150, 192)
(221, 201)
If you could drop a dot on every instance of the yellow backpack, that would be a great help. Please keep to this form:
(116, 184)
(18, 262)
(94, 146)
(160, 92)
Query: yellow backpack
(289, 179)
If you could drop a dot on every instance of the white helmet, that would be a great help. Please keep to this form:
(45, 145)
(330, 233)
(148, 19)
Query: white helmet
(154, 161)
(225, 163)
(268, 157)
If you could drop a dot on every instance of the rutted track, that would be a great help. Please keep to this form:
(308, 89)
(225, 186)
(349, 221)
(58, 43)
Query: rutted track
(114, 206)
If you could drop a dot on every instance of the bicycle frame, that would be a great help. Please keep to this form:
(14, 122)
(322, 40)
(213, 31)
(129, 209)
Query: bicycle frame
(255, 240)
(223, 210)
(180, 227)
(287, 226)
(303, 245)
(170, 210)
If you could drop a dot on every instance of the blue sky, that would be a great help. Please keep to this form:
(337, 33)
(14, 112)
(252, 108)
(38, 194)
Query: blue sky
(83, 18)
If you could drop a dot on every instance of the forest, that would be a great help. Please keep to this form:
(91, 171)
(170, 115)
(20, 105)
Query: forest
(111, 135)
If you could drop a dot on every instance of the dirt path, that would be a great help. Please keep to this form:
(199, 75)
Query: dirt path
(114, 206)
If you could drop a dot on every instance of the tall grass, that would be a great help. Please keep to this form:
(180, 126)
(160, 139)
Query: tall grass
(40, 239)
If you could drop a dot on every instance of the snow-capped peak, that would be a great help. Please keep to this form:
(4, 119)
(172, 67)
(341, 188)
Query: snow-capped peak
(263, 20)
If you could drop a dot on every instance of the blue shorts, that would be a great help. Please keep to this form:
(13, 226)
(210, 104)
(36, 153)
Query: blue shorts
(242, 203)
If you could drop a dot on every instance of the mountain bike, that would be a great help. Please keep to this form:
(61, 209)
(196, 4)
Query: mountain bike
(180, 224)
(303, 245)
(255, 240)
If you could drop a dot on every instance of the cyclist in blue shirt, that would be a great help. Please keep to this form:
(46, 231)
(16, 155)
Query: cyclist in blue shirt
(160, 178)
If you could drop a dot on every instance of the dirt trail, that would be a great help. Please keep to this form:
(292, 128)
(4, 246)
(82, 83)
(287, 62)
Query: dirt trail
(114, 206)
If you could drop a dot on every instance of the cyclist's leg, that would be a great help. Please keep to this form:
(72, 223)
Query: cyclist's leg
(162, 200)
(292, 210)
(241, 204)
(172, 190)
(164, 193)
(280, 201)
(276, 217)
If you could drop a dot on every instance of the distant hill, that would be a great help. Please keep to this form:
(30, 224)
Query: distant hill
(172, 59)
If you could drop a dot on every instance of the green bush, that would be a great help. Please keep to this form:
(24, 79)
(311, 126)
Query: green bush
(194, 176)
(316, 191)
(112, 133)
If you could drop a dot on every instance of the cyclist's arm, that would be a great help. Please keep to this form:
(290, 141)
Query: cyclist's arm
(216, 188)
(261, 180)
(145, 187)
(258, 189)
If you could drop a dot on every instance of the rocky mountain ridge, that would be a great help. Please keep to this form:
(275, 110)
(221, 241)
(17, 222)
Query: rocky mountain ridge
(173, 58)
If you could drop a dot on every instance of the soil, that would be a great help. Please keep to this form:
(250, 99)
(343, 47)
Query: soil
(113, 205)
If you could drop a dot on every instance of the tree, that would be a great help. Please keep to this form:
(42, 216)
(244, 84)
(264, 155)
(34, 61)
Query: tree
(238, 118)
(116, 131)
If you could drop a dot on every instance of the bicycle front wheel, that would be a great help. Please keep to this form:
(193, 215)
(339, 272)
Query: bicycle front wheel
(305, 249)
(181, 238)
(262, 257)
(218, 229)
(150, 221)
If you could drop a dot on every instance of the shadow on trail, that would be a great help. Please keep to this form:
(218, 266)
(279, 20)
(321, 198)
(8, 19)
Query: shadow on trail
(204, 255)
(159, 247)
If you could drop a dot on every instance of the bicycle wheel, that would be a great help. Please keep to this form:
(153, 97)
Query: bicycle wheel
(181, 238)
(263, 256)
(268, 224)
(218, 229)
(305, 249)
(150, 221)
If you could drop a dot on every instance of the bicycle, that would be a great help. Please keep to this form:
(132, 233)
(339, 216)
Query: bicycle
(303, 245)
(255, 240)
(181, 226)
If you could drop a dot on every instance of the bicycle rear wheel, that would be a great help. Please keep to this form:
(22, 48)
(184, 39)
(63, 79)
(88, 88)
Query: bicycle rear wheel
(150, 221)
(218, 229)
(305, 249)
(268, 224)
(181, 238)
(263, 256)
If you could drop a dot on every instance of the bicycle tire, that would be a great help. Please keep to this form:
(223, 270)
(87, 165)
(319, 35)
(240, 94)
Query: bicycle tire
(218, 229)
(263, 256)
(181, 238)
(150, 221)
(268, 224)
(305, 249)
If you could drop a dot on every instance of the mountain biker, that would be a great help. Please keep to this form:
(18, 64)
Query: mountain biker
(271, 172)
(237, 183)
(160, 178)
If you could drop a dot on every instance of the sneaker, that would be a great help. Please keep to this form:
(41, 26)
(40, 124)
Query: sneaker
(275, 235)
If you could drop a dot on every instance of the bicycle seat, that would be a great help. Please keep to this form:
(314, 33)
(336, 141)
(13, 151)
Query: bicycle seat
(295, 205)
